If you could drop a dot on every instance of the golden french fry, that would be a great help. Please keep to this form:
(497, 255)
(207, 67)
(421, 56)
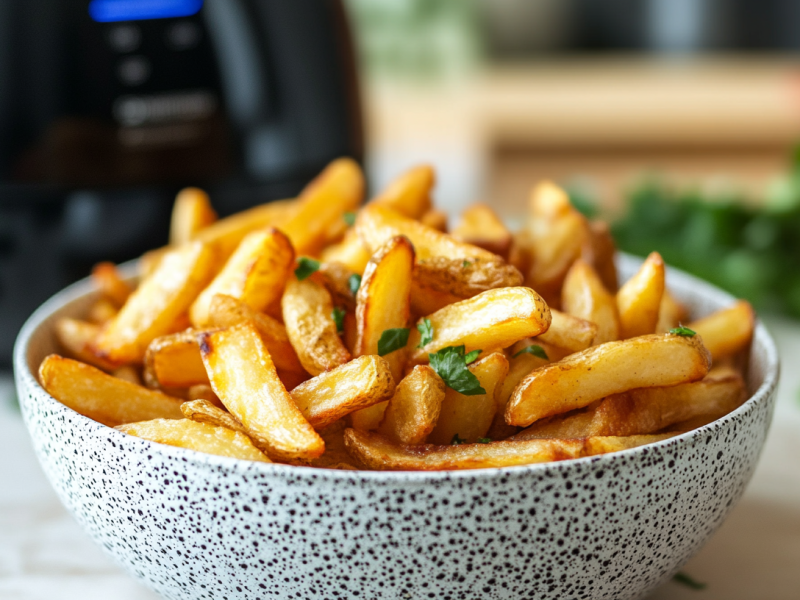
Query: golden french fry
(464, 278)
(469, 417)
(307, 313)
(412, 412)
(203, 411)
(350, 253)
(520, 253)
(584, 296)
(128, 373)
(324, 201)
(110, 283)
(557, 233)
(76, 338)
(201, 437)
(335, 456)
(255, 274)
(191, 213)
(174, 361)
(103, 397)
(671, 313)
(518, 368)
(727, 331)
(203, 391)
(370, 418)
(382, 302)
(243, 376)
(155, 307)
(639, 299)
(489, 321)
(225, 311)
(646, 410)
(569, 332)
(426, 301)
(600, 251)
(102, 311)
(410, 194)
(435, 219)
(377, 224)
(480, 226)
(326, 398)
(611, 368)
(336, 278)
(607, 444)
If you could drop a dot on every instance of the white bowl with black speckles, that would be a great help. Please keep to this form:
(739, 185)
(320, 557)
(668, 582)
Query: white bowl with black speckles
(193, 526)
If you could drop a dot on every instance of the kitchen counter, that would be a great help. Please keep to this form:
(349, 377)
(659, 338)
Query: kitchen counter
(44, 555)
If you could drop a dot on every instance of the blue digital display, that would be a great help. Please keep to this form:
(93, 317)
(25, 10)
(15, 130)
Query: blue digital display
(111, 11)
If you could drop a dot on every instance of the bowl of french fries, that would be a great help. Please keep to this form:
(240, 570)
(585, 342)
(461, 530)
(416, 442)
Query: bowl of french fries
(321, 398)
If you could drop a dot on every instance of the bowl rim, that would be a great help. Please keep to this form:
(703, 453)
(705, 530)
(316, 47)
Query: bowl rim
(26, 379)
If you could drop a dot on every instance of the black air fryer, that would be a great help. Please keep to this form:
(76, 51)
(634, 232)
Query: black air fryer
(108, 107)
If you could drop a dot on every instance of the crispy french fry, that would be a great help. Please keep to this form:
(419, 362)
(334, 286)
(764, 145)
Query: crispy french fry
(324, 201)
(410, 194)
(243, 376)
(584, 296)
(76, 338)
(646, 410)
(727, 331)
(412, 412)
(480, 226)
(201, 437)
(639, 299)
(377, 224)
(335, 456)
(191, 213)
(155, 307)
(255, 274)
(426, 301)
(518, 368)
(228, 312)
(336, 278)
(102, 311)
(350, 252)
(435, 219)
(463, 278)
(612, 368)
(671, 313)
(128, 373)
(569, 332)
(326, 398)
(203, 391)
(470, 417)
(203, 411)
(110, 283)
(600, 252)
(174, 361)
(607, 444)
(489, 321)
(103, 397)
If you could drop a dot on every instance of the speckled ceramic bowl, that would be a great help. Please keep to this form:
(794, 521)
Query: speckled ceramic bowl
(195, 526)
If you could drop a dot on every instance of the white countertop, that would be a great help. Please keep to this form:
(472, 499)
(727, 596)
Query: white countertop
(44, 555)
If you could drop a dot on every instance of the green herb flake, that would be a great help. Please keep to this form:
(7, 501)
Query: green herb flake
(451, 365)
(426, 332)
(338, 317)
(354, 282)
(472, 356)
(686, 580)
(484, 440)
(457, 441)
(466, 264)
(349, 218)
(683, 331)
(537, 351)
(393, 339)
(306, 267)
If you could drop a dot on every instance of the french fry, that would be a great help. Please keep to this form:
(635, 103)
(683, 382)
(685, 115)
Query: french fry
(335, 456)
(435, 219)
(569, 332)
(584, 296)
(639, 299)
(480, 226)
(102, 397)
(324, 201)
(201, 437)
(155, 307)
(410, 194)
(518, 368)
(520, 253)
(463, 278)
(243, 376)
(174, 361)
(426, 301)
(412, 412)
(76, 338)
(671, 313)
(377, 224)
(128, 373)
(646, 410)
(255, 274)
(469, 417)
(489, 321)
(350, 252)
(110, 283)
(326, 398)
(203, 391)
(336, 278)
(727, 331)
(191, 213)
(203, 411)
(225, 311)
(600, 252)
(612, 368)
(102, 311)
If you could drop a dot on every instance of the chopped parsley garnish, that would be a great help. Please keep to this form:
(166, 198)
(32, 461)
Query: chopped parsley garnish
(426, 332)
(683, 331)
(354, 282)
(349, 218)
(306, 267)
(484, 440)
(392, 339)
(532, 349)
(451, 365)
(466, 264)
(684, 579)
(338, 317)
(457, 441)
(472, 356)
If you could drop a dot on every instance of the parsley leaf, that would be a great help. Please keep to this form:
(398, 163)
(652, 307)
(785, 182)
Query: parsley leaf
(683, 331)
(451, 365)
(484, 440)
(392, 339)
(338, 317)
(532, 349)
(684, 579)
(472, 356)
(354, 282)
(306, 267)
(349, 218)
(457, 441)
(426, 332)
(466, 264)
